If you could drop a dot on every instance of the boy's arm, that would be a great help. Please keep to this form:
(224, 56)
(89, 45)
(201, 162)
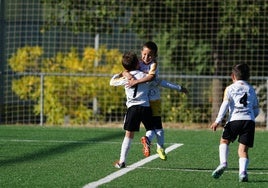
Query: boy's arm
(222, 112)
(170, 85)
(147, 78)
(223, 109)
(127, 75)
(118, 80)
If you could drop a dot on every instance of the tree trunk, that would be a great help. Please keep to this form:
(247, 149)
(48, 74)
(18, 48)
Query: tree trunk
(216, 97)
(216, 89)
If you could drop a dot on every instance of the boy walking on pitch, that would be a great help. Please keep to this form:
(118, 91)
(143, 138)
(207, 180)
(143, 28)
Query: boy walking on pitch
(138, 107)
(241, 101)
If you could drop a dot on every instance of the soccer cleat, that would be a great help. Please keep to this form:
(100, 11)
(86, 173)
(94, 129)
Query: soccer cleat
(219, 171)
(161, 153)
(119, 165)
(243, 177)
(146, 146)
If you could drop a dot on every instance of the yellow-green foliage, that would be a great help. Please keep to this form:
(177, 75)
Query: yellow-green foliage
(69, 96)
(26, 59)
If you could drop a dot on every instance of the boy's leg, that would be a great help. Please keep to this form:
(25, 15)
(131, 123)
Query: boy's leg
(246, 140)
(160, 144)
(157, 121)
(223, 153)
(146, 142)
(223, 156)
(160, 138)
(146, 146)
(150, 134)
(125, 147)
(243, 162)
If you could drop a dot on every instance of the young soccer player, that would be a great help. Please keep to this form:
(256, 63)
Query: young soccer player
(149, 65)
(241, 101)
(138, 106)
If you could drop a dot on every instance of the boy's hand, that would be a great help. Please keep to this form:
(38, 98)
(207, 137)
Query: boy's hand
(127, 75)
(132, 82)
(214, 126)
(184, 90)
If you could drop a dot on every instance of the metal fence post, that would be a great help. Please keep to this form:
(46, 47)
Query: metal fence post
(266, 104)
(2, 50)
(42, 99)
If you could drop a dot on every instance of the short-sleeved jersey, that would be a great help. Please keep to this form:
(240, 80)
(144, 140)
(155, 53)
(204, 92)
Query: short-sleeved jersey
(136, 95)
(241, 101)
(152, 69)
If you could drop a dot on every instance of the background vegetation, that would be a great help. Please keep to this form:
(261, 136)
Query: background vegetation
(196, 39)
(65, 95)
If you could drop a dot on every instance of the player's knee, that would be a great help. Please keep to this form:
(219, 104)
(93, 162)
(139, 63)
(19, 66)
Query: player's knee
(224, 141)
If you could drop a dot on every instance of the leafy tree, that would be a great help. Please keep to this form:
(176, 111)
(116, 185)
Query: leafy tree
(209, 35)
(93, 16)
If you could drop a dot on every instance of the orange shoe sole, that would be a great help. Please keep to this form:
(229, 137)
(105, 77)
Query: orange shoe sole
(146, 148)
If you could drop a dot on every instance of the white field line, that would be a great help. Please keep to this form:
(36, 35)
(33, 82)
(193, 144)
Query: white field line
(123, 171)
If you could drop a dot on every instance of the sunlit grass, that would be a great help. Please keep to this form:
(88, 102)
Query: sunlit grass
(32, 156)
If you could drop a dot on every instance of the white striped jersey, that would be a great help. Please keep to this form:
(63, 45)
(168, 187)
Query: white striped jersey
(241, 101)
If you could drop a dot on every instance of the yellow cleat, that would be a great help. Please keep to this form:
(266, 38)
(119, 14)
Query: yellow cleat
(162, 153)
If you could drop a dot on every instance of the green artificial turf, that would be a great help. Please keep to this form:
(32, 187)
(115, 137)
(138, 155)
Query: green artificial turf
(34, 156)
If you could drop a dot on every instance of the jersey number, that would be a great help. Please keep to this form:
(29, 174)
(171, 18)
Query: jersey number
(135, 90)
(244, 99)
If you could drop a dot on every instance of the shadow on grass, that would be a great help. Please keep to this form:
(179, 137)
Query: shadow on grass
(63, 148)
(257, 181)
(232, 170)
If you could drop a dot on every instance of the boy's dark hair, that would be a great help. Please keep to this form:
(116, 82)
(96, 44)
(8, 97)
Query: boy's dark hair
(130, 61)
(241, 71)
(152, 46)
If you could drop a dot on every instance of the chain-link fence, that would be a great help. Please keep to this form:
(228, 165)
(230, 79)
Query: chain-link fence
(57, 56)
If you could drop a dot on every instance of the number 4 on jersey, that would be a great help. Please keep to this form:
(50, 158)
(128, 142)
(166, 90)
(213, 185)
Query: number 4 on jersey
(244, 99)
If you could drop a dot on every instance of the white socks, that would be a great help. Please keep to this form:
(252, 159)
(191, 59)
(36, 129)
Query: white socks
(150, 134)
(223, 154)
(159, 135)
(124, 149)
(243, 165)
(160, 138)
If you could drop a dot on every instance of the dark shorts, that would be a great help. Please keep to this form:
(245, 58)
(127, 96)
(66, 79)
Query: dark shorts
(244, 129)
(156, 111)
(135, 116)
(157, 122)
